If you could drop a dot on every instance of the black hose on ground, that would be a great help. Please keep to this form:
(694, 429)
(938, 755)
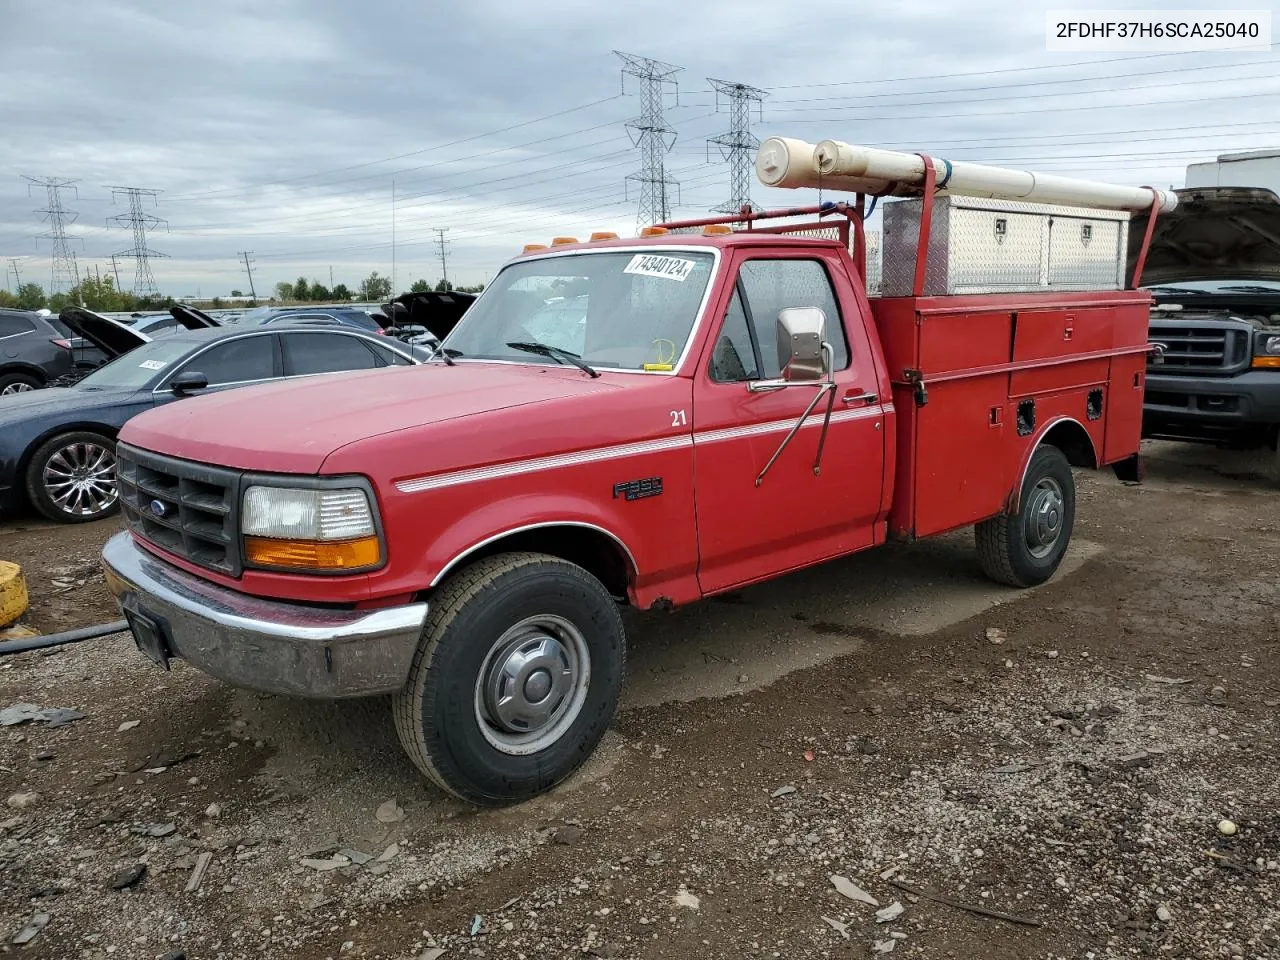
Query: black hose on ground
(61, 639)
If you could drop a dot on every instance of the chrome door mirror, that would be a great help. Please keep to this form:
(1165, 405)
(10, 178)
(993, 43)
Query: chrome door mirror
(802, 355)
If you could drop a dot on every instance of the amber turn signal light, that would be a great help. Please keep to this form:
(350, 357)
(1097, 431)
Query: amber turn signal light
(604, 235)
(533, 247)
(716, 229)
(654, 231)
(1266, 363)
(358, 554)
(563, 241)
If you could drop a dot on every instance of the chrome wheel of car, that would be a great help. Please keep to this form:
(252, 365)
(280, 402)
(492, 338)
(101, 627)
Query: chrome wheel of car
(19, 386)
(532, 685)
(80, 478)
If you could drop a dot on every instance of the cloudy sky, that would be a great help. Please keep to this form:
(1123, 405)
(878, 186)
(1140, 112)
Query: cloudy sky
(279, 126)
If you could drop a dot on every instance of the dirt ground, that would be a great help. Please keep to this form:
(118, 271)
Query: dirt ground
(1061, 757)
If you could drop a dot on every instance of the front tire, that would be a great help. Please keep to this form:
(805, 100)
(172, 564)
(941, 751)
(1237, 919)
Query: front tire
(516, 678)
(1024, 549)
(72, 477)
(14, 383)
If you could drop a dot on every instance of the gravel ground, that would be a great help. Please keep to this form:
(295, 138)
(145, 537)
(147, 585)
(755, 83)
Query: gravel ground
(1056, 764)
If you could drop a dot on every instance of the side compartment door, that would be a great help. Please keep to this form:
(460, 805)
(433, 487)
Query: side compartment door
(749, 527)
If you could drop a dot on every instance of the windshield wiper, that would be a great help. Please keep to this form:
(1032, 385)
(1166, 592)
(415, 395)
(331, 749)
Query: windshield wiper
(555, 353)
(1250, 288)
(445, 355)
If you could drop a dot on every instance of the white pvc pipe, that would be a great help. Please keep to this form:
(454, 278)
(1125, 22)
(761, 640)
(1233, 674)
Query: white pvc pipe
(833, 165)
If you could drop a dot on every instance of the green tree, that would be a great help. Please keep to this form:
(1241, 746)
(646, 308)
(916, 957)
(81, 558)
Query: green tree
(340, 292)
(300, 289)
(8, 299)
(374, 287)
(444, 286)
(31, 296)
(100, 294)
(420, 286)
(319, 291)
(284, 291)
(476, 289)
(236, 293)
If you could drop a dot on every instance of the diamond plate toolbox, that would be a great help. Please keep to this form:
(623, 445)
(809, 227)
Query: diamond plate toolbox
(978, 245)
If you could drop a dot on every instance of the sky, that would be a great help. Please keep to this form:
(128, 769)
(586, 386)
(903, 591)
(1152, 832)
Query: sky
(309, 131)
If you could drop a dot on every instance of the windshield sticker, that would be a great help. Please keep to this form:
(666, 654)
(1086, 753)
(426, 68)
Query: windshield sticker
(668, 268)
(152, 365)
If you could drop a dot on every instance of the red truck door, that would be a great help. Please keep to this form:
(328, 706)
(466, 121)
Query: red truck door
(793, 517)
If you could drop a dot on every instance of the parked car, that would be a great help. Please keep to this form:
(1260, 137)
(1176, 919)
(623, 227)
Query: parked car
(33, 352)
(312, 316)
(95, 339)
(57, 446)
(1214, 270)
(436, 313)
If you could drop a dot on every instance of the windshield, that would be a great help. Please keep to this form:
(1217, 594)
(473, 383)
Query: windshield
(1219, 286)
(135, 369)
(627, 311)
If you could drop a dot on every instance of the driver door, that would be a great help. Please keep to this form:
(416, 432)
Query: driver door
(752, 527)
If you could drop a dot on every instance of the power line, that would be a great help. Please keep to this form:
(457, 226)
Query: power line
(738, 145)
(141, 222)
(248, 266)
(650, 132)
(58, 217)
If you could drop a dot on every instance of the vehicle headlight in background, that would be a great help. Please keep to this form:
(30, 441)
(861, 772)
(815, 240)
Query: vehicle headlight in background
(1266, 351)
(297, 529)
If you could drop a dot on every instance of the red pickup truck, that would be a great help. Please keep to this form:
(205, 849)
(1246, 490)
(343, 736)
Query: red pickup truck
(646, 421)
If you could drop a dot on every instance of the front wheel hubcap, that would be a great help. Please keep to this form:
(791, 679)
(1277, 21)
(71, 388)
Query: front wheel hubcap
(532, 684)
(1045, 512)
(20, 387)
(80, 479)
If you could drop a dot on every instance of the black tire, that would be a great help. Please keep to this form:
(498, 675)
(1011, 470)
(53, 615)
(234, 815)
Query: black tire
(1012, 548)
(92, 503)
(441, 714)
(12, 383)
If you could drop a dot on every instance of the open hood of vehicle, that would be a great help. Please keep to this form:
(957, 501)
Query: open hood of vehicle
(110, 336)
(191, 318)
(1215, 233)
(439, 312)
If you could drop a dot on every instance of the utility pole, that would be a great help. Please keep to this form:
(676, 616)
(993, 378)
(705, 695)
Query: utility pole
(17, 277)
(144, 281)
(116, 268)
(393, 238)
(444, 259)
(739, 145)
(248, 266)
(59, 218)
(652, 134)
(331, 276)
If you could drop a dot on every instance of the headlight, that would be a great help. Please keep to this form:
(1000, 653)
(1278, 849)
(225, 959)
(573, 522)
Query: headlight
(295, 529)
(1266, 351)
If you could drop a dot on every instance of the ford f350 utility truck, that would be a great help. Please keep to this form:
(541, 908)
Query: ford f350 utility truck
(649, 421)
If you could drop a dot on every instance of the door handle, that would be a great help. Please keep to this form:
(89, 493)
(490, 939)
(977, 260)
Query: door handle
(866, 398)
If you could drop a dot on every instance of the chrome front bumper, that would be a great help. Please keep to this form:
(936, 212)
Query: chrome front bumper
(288, 648)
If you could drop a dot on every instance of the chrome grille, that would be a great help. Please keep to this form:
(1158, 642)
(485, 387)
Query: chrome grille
(185, 508)
(1201, 348)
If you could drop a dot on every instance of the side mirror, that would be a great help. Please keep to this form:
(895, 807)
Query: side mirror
(188, 382)
(800, 335)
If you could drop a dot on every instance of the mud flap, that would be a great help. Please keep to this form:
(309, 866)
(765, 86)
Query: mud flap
(1130, 469)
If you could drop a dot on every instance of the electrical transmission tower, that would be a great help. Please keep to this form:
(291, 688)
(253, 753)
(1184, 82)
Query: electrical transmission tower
(738, 146)
(651, 133)
(444, 259)
(59, 218)
(144, 281)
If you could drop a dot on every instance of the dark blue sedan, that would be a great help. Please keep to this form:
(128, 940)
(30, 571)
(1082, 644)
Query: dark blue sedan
(57, 446)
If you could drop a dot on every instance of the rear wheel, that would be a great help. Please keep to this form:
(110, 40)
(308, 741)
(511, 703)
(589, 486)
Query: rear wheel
(72, 477)
(11, 383)
(1025, 548)
(516, 678)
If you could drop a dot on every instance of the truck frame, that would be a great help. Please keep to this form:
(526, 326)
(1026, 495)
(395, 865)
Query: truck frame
(502, 501)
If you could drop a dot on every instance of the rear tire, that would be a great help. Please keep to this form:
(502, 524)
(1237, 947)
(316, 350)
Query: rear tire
(516, 678)
(1025, 548)
(12, 383)
(72, 477)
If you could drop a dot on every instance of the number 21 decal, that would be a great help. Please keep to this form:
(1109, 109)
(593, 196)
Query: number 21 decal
(678, 418)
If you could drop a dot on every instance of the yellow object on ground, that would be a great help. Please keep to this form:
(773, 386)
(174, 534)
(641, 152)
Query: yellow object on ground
(13, 593)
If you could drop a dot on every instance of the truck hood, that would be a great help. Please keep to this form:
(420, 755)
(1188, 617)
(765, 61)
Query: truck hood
(291, 427)
(1214, 233)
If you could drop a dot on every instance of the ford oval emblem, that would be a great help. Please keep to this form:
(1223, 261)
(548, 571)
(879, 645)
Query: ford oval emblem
(158, 508)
